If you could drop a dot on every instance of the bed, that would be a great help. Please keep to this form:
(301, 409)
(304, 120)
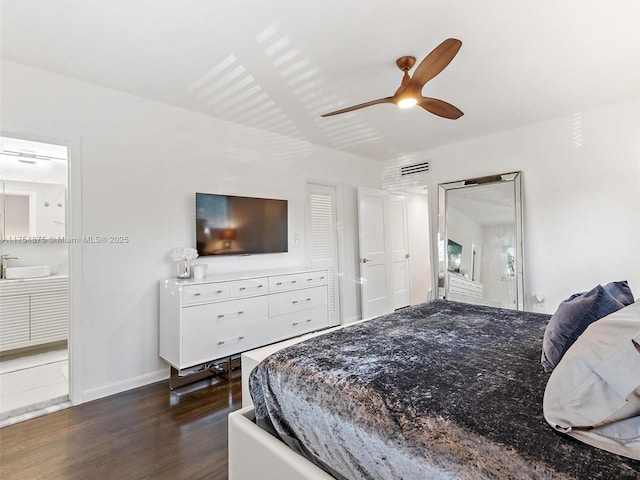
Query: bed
(441, 390)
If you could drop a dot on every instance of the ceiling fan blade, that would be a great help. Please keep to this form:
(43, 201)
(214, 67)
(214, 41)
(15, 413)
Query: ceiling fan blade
(436, 61)
(440, 108)
(359, 106)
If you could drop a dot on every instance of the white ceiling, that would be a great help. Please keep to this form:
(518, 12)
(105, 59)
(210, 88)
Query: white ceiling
(278, 64)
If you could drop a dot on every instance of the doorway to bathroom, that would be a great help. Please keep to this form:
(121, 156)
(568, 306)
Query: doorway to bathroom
(34, 283)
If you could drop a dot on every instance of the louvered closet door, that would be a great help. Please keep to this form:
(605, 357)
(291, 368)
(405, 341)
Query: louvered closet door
(322, 240)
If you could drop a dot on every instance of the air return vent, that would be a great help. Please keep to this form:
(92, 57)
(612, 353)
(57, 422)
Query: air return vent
(415, 168)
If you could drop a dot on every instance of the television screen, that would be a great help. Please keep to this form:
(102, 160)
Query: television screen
(454, 253)
(230, 225)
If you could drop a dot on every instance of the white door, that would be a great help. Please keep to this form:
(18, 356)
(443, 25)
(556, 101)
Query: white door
(399, 251)
(376, 279)
(322, 240)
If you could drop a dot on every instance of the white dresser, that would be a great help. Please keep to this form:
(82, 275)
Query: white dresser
(462, 289)
(205, 320)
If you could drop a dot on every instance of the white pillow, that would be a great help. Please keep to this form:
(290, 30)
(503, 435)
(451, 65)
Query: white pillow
(594, 392)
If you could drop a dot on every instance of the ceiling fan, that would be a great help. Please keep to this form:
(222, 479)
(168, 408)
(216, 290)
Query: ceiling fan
(410, 92)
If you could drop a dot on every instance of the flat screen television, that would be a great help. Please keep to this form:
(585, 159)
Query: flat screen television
(232, 225)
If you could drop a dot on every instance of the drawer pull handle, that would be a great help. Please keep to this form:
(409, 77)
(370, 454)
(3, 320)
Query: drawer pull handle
(298, 323)
(197, 294)
(279, 283)
(221, 342)
(221, 315)
(243, 288)
(294, 281)
(240, 312)
(260, 286)
(298, 301)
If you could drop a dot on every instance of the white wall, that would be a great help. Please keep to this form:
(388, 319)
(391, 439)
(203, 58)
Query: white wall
(498, 290)
(419, 248)
(581, 196)
(465, 231)
(141, 163)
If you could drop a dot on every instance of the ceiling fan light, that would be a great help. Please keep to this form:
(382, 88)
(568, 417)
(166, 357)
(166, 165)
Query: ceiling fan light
(407, 102)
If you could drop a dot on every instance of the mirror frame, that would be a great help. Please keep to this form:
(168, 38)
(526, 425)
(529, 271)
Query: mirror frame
(516, 179)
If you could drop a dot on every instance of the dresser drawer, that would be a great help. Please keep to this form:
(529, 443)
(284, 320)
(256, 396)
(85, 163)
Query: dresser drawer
(294, 324)
(207, 292)
(464, 291)
(312, 279)
(243, 288)
(284, 282)
(464, 283)
(217, 317)
(198, 349)
(295, 301)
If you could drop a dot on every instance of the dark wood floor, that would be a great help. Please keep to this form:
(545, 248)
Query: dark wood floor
(146, 433)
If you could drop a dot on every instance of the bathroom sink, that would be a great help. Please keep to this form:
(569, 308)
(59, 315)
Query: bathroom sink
(27, 272)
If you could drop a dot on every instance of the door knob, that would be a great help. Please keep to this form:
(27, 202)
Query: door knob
(364, 260)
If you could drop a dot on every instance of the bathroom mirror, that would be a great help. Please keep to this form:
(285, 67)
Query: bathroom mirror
(480, 242)
(32, 209)
(14, 215)
(33, 189)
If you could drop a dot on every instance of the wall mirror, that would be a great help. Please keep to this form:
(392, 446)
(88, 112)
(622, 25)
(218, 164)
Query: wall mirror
(31, 209)
(480, 242)
(33, 180)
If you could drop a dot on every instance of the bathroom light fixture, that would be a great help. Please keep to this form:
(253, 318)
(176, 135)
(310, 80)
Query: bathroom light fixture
(16, 153)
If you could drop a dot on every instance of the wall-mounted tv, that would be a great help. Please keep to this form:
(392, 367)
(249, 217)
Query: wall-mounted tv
(232, 225)
(454, 253)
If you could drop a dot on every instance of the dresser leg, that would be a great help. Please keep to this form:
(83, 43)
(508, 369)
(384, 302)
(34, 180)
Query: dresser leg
(225, 369)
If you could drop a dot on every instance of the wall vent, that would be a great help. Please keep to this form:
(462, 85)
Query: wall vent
(405, 173)
(415, 168)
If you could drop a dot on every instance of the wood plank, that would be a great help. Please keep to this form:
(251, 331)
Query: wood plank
(145, 433)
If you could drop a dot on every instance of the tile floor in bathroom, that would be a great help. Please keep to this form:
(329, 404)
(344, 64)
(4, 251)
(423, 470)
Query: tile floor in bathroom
(33, 383)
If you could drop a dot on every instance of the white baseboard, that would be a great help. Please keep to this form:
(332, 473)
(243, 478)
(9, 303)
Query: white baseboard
(128, 384)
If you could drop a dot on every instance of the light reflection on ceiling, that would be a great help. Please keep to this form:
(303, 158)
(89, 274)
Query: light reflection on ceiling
(278, 65)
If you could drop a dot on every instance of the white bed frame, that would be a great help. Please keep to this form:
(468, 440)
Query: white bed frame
(254, 453)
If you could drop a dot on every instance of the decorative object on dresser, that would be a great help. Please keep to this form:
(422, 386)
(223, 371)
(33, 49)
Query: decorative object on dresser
(202, 321)
(183, 257)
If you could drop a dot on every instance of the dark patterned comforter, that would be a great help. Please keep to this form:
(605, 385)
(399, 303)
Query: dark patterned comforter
(442, 390)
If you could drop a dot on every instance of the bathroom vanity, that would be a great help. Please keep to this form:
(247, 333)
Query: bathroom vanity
(33, 311)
